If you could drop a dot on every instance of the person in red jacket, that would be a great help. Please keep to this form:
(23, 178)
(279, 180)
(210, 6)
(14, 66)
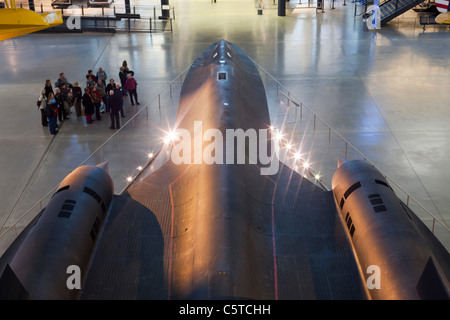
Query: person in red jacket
(97, 101)
(131, 86)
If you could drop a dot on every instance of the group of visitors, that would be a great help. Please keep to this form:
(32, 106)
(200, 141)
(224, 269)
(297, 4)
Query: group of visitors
(96, 97)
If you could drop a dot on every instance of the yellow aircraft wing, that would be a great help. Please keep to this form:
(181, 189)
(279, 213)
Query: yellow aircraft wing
(17, 21)
(443, 18)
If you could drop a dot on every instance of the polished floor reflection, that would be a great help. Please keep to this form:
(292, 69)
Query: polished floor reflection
(386, 91)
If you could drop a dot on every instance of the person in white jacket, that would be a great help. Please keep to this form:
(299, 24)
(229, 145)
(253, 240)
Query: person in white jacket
(42, 102)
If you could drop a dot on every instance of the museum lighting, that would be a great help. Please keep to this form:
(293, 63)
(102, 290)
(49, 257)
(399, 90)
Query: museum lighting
(172, 136)
(288, 146)
(139, 168)
(306, 165)
(278, 135)
(297, 156)
(317, 176)
(129, 179)
(169, 137)
(150, 155)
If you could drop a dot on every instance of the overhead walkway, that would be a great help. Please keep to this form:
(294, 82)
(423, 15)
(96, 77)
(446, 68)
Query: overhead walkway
(76, 17)
(112, 24)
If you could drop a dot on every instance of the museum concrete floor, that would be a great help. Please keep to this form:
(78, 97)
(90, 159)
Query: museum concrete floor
(387, 92)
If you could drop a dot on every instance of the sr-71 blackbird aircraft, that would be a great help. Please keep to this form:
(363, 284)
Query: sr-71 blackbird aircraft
(225, 231)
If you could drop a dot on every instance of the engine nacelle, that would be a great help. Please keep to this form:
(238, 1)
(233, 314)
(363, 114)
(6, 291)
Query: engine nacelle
(64, 234)
(384, 232)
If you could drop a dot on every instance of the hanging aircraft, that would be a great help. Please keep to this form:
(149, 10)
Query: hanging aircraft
(443, 18)
(443, 8)
(15, 21)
